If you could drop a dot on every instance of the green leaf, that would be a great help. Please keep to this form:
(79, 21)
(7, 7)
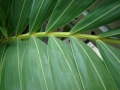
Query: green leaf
(9, 29)
(3, 30)
(111, 56)
(30, 64)
(9, 24)
(110, 33)
(36, 73)
(63, 69)
(12, 66)
(92, 71)
(65, 11)
(20, 14)
(3, 48)
(108, 11)
(41, 10)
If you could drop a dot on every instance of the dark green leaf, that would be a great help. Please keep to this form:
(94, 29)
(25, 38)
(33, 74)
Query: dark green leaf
(20, 14)
(4, 4)
(111, 56)
(2, 17)
(92, 71)
(41, 10)
(108, 11)
(9, 22)
(65, 11)
(63, 69)
(1, 35)
(110, 33)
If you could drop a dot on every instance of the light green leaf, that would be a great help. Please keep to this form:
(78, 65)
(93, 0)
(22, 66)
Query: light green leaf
(12, 66)
(108, 11)
(41, 10)
(111, 56)
(65, 11)
(3, 30)
(20, 14)
(36, 73)
(63, 69)
(92, 72)
(110, 33)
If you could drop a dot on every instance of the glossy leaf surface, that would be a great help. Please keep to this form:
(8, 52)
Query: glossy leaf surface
(40, 11)
(111, 56)
(20, 15)
(108, 11)
(65, 11)
(93, 73)
(64, 72)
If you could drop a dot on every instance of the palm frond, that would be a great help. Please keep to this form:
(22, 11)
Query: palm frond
(28, 63)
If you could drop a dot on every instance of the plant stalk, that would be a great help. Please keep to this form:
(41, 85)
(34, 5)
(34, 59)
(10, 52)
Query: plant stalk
(64, 34)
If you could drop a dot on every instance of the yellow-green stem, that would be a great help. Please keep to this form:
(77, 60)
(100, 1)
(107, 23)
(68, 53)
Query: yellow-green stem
(65, 34)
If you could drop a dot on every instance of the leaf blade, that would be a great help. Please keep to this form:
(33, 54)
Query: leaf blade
(65, 11)
(3, 30)
(91, 69)
(60, 61)
(36, 62)
(3, 48)
(11, 66)
(20, 15)
(110, 33)
(2, 17)
(111, 57)
(106, 12)
(41, 10)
